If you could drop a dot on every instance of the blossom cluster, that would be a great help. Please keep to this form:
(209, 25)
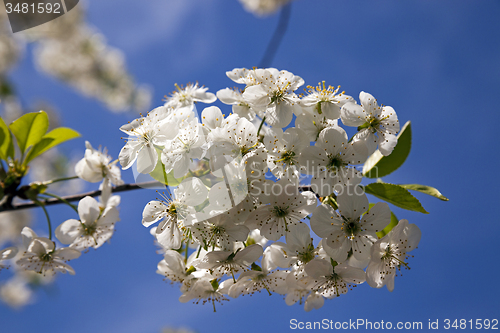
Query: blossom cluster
(263, 7)
(236, 218)
(37, 259)
(78, 54)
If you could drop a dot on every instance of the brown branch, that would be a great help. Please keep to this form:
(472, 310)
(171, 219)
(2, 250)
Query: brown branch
(115, 189)
(77, 197)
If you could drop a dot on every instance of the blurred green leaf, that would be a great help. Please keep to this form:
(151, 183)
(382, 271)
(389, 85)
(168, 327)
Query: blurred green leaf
(396, 195)
(160, 175)
(378, 165)
(29, 129)
(6, 144)
(50, 140)
(425, 189)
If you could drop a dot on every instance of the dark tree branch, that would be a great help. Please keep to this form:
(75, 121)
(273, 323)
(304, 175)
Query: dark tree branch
(77, 197)
(275, 41)
(115, 189)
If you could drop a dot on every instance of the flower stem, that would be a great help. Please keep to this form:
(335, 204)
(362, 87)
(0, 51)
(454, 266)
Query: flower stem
(260, 126)
(47, 216)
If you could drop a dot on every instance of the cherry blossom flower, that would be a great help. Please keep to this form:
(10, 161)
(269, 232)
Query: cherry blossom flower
(187, 96)
(349, 230)
(228, 262)
(283, 207)
(235, 98)
(95, 227)
(274, 95)
(42, 256)
(204, 290)
(325, 101)
(389, 253)
(190, 192)
(97, 165)
(283, 150)
(258, 278)
(332, 281)
(312, 124)
(145, 133)
(372, 119)
(221, 230)
(331, 161)
(299, 288)
(186, 146)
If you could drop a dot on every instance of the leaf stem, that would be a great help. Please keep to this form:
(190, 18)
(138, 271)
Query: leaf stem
(63, 200)
(48, 182)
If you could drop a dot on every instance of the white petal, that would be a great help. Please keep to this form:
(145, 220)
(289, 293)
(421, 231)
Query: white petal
(147, 159)
(318, 268)
(314, 301)
(67, 254)
(298, 239)
(128, 154)
(89, 210)
(169, 235)
(377, 218)
(212, 117)
(153, 212)
(390, 120)
(68, 231)
(352, 115)
(369, 104)
(352, 205)
(8, 253)
(28, 234)
(386, 143)
(322, 219)
(350, 274)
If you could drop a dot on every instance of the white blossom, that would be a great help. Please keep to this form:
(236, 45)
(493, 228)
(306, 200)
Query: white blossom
(42, 256)
(282, 208)
(389, 253)
(274, 95)
(325, 101)
(95, 227)
(331, 161)
(187, 96)
(332, 281)
(97, 165)
(372, 119)
(350, 230)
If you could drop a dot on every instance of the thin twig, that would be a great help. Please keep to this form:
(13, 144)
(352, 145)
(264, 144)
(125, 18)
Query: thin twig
(275, 41)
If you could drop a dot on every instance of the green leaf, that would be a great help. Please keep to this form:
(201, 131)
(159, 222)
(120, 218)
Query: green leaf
(396, 195)
(6, 144)
(50, 140)
(425, 189)
(394, 222)
(378, 165)
(29, 129)
(160, 175)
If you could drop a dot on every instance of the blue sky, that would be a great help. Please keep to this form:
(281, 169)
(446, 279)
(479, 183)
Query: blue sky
(437, 63)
